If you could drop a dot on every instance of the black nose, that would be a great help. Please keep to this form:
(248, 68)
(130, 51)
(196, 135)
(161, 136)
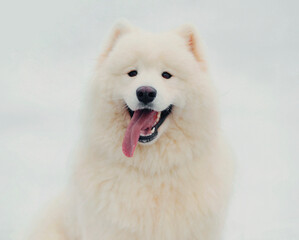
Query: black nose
(146, 94)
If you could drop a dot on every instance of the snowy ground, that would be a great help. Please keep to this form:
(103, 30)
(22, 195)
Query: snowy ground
(48, 50)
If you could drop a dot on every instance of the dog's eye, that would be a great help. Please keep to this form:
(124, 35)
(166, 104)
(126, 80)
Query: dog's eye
(166, 75)
(133, 73)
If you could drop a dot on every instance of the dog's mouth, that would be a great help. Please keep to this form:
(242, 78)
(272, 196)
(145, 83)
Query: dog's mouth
(143, 127)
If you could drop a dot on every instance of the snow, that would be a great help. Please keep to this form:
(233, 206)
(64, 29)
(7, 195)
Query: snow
(49, 49)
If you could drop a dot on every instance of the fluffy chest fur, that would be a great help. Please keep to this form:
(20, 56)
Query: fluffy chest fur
(119, 202)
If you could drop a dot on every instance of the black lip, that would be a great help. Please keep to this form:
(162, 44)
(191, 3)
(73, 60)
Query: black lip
(164, 114)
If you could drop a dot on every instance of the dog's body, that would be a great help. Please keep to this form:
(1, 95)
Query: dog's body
(176, 183)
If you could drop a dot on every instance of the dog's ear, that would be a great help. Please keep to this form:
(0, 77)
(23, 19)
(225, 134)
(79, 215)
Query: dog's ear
(192, 40)
(120, 28)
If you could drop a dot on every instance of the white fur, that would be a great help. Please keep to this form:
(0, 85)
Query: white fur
(175, 188)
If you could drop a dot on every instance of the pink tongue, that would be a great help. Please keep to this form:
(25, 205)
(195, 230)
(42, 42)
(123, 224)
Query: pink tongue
(141, 120)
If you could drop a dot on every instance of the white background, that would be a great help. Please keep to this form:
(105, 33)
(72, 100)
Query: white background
(48, 50)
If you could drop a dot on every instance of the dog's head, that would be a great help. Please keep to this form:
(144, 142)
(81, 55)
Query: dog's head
(153, 81)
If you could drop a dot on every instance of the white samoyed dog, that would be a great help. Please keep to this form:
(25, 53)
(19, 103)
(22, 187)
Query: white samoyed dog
(153, 164)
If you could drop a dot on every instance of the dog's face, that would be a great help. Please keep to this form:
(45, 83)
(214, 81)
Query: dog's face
(151, 74)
